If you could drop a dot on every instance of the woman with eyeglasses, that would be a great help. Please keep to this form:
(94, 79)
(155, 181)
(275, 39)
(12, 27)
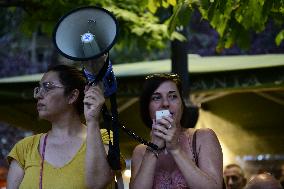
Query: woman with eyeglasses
(186, 158)
(71, 155)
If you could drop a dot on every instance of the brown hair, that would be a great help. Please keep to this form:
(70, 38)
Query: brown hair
(71, 78)
(152, 82)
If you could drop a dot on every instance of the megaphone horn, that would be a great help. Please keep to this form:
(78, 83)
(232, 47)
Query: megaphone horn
(85, 33)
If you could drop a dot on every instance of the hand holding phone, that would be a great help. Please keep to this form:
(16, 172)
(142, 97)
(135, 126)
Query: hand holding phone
(162, 113)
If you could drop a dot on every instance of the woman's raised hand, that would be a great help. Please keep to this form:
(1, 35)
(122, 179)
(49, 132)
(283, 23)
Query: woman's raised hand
(93, 102)
(166, 129)
(160, 142)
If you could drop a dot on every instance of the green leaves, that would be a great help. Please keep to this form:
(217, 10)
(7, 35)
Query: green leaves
(142, 27)
(142, 23)
(250, 15)
(279, 38)
(181, 16)
(136, 22)
(153, 5)
(235, 19)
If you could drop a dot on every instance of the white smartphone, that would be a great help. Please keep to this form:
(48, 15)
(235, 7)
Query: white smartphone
(161, 113)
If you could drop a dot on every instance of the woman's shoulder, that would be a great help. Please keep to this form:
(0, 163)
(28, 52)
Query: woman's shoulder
(30, 139)
(138, 154)
(207, 137)
(205, 131)
(139, 149)
(200, 131)
(27, 145)
(202, 134)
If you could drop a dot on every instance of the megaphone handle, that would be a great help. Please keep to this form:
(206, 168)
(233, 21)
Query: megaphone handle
(101, 73)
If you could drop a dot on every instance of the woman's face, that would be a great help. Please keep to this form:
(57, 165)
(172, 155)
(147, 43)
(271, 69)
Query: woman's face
(51, 101)
(166, 96)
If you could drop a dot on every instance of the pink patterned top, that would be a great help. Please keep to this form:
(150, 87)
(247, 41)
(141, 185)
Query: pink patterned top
(167, 173)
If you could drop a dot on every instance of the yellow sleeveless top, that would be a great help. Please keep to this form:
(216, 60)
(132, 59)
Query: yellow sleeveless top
(70, 176)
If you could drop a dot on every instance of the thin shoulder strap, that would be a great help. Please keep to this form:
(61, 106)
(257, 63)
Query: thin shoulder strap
(195, 156)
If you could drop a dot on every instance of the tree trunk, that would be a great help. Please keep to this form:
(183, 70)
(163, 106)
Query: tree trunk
(180, 64)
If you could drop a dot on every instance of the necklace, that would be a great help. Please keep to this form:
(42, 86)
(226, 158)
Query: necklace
(42, 160)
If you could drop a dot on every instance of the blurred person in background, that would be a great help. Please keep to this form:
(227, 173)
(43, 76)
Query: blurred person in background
(234, 177)
(264, 181)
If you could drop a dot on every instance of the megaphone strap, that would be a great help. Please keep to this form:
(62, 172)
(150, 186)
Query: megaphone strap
(139, 139)
(111, 121)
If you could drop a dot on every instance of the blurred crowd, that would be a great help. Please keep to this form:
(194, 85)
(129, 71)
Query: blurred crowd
(8, 137)
(235, 178)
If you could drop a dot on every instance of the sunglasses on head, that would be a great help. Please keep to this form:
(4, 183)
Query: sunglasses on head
(170, 76)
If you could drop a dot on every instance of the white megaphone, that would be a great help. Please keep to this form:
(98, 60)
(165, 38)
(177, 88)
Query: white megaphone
(87, 34)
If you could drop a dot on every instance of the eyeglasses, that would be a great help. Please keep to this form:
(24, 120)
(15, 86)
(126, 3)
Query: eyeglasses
(45, 88)
(170, 76)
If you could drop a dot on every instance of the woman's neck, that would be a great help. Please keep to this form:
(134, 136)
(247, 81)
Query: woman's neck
(67, 126)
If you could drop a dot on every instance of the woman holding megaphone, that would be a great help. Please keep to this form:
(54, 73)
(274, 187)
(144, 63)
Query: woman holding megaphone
(72, 154)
